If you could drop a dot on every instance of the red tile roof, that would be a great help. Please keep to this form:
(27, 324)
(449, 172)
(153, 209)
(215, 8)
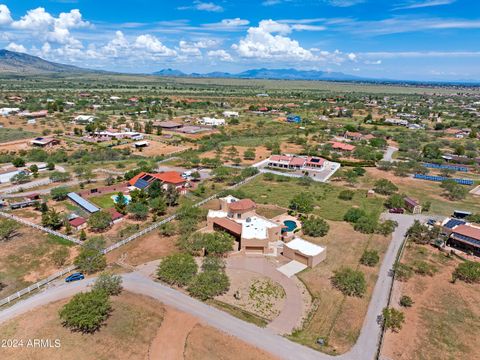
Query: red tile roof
(342, 146)
(242, 205)
(229, 225)
(77, 221)
(114, 214)
(170, 177)
(297, 161)
(467, 230)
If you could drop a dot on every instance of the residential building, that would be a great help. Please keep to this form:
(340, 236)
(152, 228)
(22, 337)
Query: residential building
(85, 204)
(296, 162)
(35, 114)
(230, 114)
(212, 121)
(84, 119)
(254, 233)
(78, 223)
(304, 252)
(9, 111)
(168, 178)
(44, 142)
(342, 146)
(465, 237)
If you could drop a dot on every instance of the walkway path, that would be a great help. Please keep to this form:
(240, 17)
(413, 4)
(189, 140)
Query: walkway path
(387, 156)
(291, 315)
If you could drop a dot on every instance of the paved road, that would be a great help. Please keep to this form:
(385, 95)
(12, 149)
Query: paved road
(389, 153)
(263, 338)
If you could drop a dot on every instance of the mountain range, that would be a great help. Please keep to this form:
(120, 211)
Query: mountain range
(277, 74)
(15, 63)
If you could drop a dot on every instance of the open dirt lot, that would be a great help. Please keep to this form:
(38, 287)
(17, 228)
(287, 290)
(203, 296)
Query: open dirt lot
(261, 153)
(139, 328)
(336, 317)
(155, 148)
(443, 317)
(28, 258)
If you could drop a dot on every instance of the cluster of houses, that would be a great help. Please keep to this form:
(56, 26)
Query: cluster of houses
(256, 234)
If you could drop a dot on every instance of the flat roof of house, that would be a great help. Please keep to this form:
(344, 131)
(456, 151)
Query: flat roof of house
(87, 205)
(256, 227)
(305, 247)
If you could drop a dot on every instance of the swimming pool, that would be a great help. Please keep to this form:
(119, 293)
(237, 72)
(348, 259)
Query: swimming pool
(128, 198)
(290, 224)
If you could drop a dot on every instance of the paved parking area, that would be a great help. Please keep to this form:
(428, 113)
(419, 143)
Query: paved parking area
(292, 268)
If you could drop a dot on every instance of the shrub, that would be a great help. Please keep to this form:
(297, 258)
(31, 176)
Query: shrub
(167, 229)
(268, 176)
(353, 214)
(393, 319)
(138, 210)
(209, 284)
(370, 258)
(387, 227)
(423, 268)
(8, 229)
(213, 263)
(350, 282)
(108, 283)
(177, 269)
(315, 226)
(406, 301)
(346, 195)
(60, 256)
(86, 312)
(366, 225)
(403, 272)
(302, 202)
(468, 271)
(59, 193)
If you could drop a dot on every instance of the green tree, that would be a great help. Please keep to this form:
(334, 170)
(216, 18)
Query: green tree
(302, 202)
(366, 224)
(138, 210)
(177, 269)
(171, 196)
(393, 319)
(109, 283)
(217, 243)
(91, 258)
(249, 154)
(353, 214)
(315, 226)
(385, 187)
(350, 282)
(155, 190)
(395, 201)
(100, 220)
(59, 176)
(86, 312)
(59, 193)
(406, 301)
(454, 190)
(158, 205)
(387, 227)
(121, 203)
(52, 219)
(18, 162)
(167, 229)
(209, 284)
(8, 229)
(221, 173)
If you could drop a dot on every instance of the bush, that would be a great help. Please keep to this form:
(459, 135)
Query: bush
(346, 195)
(108, 283)
(268, 176)
(59, 193)
(366, 225)
(177, 269)
(213, 263)
(406, 301)
(423, 268)
(353, 214)
(468, 271)
(60, 256)
(8, 229)
(315, 226)
(167, 229)
(138, 210)
(403, 272)
(86, 312)
(370, 258)
(387, 227)
(209, 284)
(350, 282)
(393, 319)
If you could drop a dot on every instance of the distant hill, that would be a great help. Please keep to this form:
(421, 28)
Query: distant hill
(14, 63)
(278, 74)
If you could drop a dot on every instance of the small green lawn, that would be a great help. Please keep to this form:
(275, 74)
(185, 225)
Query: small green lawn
(325, 196)
(104, 201)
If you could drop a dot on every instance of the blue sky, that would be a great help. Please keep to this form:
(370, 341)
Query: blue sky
(395, 39)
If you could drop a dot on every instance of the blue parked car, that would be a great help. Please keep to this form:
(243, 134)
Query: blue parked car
(75, 277)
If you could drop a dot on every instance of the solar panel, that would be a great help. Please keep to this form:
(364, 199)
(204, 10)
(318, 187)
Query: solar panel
(141, 184)
(442, 178)
(467, 239)
(453, 222)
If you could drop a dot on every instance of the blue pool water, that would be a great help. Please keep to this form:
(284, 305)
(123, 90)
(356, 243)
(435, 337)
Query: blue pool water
(290, 224)
(128, 198)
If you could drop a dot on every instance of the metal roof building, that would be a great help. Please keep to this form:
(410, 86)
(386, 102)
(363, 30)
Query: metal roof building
(88, 206)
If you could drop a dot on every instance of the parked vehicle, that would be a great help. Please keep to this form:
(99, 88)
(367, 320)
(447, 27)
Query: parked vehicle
(75, 277)
(396, 211)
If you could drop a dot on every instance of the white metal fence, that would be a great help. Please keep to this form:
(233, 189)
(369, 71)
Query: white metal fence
(112, 247)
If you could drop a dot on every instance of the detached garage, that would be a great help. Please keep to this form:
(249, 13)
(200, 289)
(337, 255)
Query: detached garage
(304, 252)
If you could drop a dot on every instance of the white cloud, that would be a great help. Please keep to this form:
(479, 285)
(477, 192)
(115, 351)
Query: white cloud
(352, 57)
(262, 43)
(373, 62)
(344, 3)
(189, 48)
(202, 6)
(16, 47)
(221, 55)
(152, 45)
(234, 22)
(305, 27)
(423, 4)
(5, 15)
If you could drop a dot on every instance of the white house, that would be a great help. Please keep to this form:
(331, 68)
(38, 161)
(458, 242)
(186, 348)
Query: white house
(212, 121)
(8, 111)
(230, 114)
(84, 119)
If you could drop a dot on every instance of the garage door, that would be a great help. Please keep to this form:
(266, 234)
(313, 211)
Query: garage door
(301, 258)
(254, 249)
